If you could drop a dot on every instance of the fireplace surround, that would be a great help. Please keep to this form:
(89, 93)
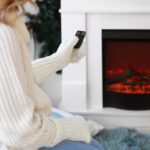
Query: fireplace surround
(84, 89)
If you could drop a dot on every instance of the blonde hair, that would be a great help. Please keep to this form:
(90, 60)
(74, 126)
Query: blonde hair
(9, 6)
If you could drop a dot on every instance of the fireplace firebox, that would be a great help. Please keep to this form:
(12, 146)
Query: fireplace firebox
(126, 69)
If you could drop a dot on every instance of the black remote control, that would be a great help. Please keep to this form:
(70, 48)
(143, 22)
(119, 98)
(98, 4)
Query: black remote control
(80, 35)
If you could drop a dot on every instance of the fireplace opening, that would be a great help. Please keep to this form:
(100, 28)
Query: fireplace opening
(126, 69)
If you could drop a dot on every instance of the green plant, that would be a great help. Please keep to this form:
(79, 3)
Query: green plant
(46, 26)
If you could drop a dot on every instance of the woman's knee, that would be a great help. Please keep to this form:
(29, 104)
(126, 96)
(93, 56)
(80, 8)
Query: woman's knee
(74, 145)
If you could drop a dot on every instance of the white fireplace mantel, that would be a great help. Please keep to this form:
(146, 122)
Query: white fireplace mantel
(98, 6)
(82, 82)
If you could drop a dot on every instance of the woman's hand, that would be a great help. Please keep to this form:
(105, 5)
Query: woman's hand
(79, 53)
(71, 53)
(67, 46)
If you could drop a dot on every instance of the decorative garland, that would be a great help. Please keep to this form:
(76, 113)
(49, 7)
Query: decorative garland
(46, 26)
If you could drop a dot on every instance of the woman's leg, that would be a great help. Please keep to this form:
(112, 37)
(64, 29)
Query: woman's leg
(72, 145)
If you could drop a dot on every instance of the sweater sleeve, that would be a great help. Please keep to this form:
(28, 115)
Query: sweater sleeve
(42, 67)
(20, 126)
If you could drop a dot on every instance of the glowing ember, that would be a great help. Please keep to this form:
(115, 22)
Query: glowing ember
(128, 89)
(129, 82)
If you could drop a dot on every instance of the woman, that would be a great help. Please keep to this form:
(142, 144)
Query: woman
(25, 121)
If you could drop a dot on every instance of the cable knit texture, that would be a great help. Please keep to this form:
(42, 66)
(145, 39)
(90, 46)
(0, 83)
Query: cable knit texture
(25, 123)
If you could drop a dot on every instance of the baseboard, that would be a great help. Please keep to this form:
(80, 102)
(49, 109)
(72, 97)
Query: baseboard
(139, 121)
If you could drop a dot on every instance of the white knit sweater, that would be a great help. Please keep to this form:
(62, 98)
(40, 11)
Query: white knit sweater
(25, 123)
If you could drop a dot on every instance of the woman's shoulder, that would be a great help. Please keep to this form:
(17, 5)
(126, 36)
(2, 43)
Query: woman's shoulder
(8, 40)
(7, 35)
(6, 31)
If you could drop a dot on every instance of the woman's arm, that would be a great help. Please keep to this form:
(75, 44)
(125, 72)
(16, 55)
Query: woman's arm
(42, 67)
(20, 126)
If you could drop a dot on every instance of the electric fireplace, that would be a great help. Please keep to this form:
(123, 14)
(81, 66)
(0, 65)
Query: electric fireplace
(112, 83)
(126, 69)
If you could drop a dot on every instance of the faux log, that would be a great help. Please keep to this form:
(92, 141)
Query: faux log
(127, 78)
(129, 73)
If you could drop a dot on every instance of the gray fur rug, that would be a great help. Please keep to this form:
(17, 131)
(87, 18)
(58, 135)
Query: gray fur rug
(123, 139)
